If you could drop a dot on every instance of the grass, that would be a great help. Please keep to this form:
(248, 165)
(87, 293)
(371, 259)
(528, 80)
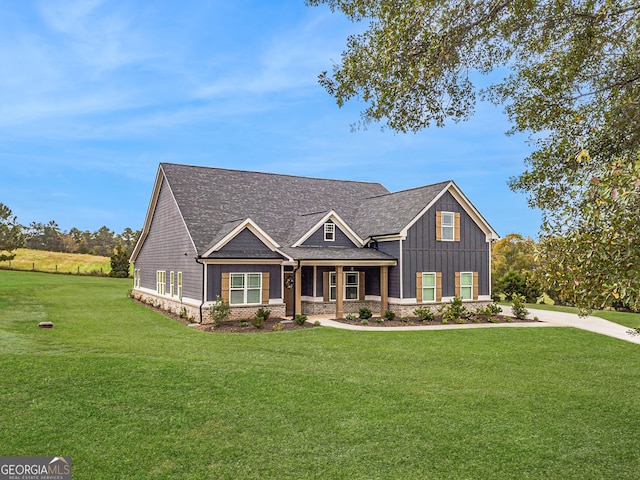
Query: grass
(128, 393)
(58, 262)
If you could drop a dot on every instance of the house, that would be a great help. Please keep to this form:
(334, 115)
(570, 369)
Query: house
(307, 245)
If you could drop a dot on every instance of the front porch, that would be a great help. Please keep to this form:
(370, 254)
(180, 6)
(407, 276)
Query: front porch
(337, 288)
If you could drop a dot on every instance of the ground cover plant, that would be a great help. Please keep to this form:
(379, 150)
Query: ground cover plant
(58, 262)
(129, 393)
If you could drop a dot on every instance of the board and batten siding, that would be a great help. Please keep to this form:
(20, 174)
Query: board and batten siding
(215, 271)
(168, 247)
(423, 253)
(246, 245)
(392, 248)
(317, 238)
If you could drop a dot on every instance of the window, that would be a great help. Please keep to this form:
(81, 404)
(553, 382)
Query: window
(466, 285)
(245, 288)
(332, 286)
(448, 226)
(329, 232)
(136, 278)
(172, 279)
(351, 285)
(161, 282)
(428, 287)
(180, 285)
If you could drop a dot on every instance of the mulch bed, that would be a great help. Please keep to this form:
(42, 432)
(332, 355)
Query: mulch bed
(278, 324)
(232, 326)
(415, 321)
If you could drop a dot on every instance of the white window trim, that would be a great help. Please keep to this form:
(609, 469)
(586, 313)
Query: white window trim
(180, 285)
(172, 280)
(435, 286)
(332, 285)
(245, 289)
(466, 286)
(161, 282)
(452, 226)
(329, 230)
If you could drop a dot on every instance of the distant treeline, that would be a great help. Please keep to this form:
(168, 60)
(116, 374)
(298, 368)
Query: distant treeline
(50, 237)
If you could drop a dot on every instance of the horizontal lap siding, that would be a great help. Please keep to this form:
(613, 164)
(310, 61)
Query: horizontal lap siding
(246, 243)
(214, 277)
(165, 247)
(422, 253)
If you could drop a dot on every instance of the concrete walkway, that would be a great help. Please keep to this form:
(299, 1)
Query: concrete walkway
(547, 319)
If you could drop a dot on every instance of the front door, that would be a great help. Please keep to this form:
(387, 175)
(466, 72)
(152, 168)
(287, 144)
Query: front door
(288, 293)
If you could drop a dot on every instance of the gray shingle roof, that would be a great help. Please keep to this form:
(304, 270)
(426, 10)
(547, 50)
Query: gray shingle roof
(213, 200)
(389, 213)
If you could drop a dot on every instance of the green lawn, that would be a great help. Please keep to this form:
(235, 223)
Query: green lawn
(130, 394)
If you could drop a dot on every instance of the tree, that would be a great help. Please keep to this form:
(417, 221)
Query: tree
(592, 257)
(574, 86)
(119, 262)
(512, 253)
(11, 236)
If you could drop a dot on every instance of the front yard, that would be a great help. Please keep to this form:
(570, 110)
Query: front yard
(128, 393)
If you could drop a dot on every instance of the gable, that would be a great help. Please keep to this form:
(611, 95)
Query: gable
(317, 238)
(245, 245)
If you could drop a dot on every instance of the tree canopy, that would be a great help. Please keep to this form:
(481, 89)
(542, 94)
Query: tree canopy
(11, 236)
(572, 83)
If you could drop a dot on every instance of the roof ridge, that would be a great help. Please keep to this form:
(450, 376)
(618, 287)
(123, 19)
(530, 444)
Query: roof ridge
(445, 182)
(272, 174)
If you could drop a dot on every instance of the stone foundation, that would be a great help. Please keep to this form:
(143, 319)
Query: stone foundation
(186, 310)
(192, 311)
(348, 306)
(406, 310)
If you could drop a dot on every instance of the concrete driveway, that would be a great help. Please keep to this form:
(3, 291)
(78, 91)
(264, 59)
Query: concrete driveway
(547, 319)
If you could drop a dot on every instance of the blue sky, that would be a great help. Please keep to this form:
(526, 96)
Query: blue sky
(95, 93)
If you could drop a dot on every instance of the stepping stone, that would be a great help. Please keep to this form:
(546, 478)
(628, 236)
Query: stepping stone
(45, 325)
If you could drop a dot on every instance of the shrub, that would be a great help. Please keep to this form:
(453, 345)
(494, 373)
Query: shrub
(454, 311)
(264, 313)
(277, 327)
(244, 323)
(183, 312)
(364, 321)
(317, 323)
(404, 320)
(220, 311)
(257, 321)
(350, 316)
(389, 315)
(517, 307)
(300, 319)
(365, 313)
(379, 320)
(425, 314)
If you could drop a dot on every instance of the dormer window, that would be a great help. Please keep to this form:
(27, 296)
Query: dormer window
(329, 232)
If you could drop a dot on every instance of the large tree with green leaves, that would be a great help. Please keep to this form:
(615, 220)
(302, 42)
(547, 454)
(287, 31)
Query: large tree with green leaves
(11, 236)
(572, 83)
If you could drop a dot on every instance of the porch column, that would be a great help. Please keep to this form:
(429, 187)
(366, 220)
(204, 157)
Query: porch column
(298, 292)
(339, 293)
(384, 289)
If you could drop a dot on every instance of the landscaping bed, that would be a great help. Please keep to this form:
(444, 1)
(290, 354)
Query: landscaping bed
(415, 321)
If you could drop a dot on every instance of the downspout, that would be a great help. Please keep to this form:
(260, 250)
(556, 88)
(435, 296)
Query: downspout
(197, 258)
(295, 270)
